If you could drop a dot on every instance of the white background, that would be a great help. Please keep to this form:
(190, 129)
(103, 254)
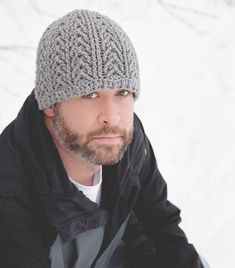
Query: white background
(186, 52)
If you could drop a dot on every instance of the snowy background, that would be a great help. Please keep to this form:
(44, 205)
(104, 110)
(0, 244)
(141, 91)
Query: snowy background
(186, 52)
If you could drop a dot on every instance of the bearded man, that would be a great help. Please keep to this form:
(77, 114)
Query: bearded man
(79, 183)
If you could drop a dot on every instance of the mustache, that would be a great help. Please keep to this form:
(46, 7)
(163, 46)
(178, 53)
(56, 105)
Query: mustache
(107, 130)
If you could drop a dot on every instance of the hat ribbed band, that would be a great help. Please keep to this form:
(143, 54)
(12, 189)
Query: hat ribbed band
(85, 88)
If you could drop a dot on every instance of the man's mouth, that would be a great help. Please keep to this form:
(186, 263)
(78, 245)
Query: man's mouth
(107, 138)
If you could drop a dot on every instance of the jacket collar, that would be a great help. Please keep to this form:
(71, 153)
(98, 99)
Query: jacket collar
(66, 207)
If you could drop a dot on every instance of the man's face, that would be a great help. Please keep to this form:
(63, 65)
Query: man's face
(97, 127)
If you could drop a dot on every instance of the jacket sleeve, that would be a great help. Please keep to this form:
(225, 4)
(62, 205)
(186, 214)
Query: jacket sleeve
(160, 218)
(20, 246)
(140, 251)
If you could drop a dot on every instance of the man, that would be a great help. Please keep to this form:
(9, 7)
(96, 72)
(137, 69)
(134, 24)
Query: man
(79, 183)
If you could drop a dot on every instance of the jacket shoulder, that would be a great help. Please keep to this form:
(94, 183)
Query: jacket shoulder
(9, 162)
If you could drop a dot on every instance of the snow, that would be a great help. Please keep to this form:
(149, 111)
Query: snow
(186, 52)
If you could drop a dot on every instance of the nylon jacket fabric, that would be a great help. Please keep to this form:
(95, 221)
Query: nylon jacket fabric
(38, 202)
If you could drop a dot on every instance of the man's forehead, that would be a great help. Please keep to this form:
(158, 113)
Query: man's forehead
(110, 89)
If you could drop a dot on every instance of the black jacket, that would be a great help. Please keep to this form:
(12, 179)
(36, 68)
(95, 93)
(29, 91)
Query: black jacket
(37, 201)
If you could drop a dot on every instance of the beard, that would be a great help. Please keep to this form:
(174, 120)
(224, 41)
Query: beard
(84, 146)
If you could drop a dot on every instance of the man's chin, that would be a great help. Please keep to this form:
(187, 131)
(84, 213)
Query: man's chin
(107, 156)
(109, 159)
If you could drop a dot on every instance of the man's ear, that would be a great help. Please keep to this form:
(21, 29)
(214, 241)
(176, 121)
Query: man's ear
(49, 111)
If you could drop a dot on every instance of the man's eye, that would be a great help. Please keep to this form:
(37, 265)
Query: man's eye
(92, 95)
(123, 92)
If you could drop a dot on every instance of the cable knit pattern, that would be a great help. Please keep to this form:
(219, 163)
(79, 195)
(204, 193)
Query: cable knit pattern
(81, 52)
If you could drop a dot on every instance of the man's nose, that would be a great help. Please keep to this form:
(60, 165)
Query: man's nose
(109, 114)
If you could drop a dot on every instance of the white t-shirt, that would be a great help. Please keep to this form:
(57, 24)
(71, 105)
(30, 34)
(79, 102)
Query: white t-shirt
(92, 192)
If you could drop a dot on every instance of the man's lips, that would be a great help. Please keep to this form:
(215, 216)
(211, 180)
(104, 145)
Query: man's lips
(107, 138)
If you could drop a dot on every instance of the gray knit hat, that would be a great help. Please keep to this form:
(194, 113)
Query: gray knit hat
(81, 52)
